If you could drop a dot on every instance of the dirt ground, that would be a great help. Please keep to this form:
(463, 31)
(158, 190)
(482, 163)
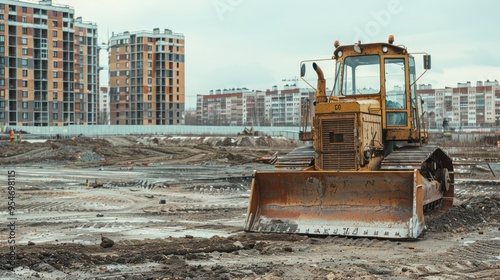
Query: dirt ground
(158, 207)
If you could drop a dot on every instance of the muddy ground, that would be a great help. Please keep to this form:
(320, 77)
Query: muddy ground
(174, 208)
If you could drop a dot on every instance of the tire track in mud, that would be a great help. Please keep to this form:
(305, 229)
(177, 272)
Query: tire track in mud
(473, 258)
(487, 251)
(35, 153)
(364, 257)
(75, 202)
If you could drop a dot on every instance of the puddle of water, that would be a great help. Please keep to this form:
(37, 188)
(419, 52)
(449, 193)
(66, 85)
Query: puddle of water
(466, 243)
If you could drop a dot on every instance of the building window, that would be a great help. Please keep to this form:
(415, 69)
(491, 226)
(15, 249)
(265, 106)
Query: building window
(25, 51)
(24, 19)
(54, 23)
(54, 74)
(25, 83)
(117, 57)
(54, 85)
(54, 13)
(2, 71)
(24, 41)
(2, 38)
(25, 9)
(2, 93)
(54, 64)
(25, 105)
(54, 54)
(55, 116)
(54, 44)
(25, 94)
(2, 115)
(25, 116)
(2, 82)
(24, 62)
(150, 97)
(25, 30)
(150, 80)
(54, 33)
(2, 104)
(25, 73)
(54, 105)
(54, 95)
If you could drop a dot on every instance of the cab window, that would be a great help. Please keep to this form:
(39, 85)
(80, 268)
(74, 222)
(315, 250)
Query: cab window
(395, 91)
(361, 75)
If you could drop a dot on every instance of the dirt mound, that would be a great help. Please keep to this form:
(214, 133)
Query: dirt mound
(469, 216)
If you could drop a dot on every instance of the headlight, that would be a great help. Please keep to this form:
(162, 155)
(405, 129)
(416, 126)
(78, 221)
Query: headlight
(339, 54)
(357, 48)
(384, 49)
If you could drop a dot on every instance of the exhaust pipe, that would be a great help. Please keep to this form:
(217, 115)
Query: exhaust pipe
(321, 89)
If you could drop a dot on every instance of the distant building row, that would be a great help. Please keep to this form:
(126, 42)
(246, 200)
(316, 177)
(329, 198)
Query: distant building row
(464, 106)
(243, 107)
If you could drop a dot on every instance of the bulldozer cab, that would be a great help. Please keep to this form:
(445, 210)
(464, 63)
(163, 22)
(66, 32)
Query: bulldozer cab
(361, 181)
(380, 77)
(385, 73)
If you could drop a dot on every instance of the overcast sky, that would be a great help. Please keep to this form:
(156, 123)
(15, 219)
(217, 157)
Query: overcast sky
(258, 43)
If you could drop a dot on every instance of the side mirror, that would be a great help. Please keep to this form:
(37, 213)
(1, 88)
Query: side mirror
(302, 70)
(427, 61)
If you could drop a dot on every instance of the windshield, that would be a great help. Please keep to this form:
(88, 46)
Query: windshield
(361, 75)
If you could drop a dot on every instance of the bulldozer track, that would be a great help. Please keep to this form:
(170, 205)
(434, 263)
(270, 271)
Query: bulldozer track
(407, 158)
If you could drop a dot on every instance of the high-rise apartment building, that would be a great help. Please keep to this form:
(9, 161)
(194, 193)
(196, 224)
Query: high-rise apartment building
(48, 65)
(146, 78)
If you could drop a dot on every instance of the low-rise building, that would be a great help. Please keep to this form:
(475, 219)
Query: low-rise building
(464, 106)
(242, 106)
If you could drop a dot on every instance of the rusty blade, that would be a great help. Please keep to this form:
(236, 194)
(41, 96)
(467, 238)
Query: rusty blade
(370, 204)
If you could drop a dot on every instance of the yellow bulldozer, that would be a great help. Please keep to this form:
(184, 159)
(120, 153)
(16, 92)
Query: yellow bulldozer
(372, 171)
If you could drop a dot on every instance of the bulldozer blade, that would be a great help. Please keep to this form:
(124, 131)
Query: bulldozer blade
(383, 204)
